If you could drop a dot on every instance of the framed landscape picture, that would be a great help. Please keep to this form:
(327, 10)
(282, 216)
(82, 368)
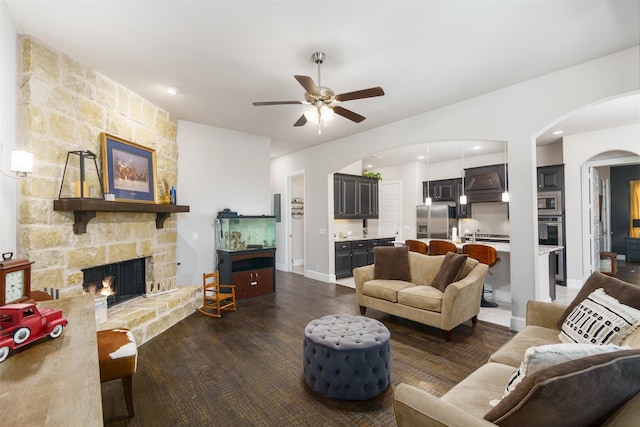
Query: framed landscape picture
(129, 170)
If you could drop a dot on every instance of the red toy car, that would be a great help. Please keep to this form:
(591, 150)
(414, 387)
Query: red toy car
(21, 324)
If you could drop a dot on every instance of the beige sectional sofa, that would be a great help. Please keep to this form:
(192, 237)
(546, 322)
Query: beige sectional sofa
(595, 390)
(417, 300)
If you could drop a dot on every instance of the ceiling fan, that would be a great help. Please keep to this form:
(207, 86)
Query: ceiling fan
(324, 102)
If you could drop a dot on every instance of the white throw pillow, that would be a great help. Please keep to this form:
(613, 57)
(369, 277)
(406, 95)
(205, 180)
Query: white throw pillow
(537, 358)
(599, 319)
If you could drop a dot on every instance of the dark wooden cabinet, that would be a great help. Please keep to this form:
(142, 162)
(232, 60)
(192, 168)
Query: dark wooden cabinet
(367, 198)
(485, 183)
(356, 253)
(252, 271)
(632, 249)
(349, 197)
(444, 190)
(354, 197)
(447, 190)
(372, 244)
(359, 253)
(551, 178)
(337, 197)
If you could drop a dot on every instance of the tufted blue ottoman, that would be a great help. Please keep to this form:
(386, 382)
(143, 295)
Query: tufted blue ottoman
(346, 357)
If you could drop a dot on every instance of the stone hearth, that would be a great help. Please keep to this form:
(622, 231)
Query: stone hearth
(148, 317)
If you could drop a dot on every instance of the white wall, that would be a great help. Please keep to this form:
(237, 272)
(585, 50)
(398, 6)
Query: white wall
(548, 155)
(578, 149)
(8, 126)
(516, 114)
(217, 169)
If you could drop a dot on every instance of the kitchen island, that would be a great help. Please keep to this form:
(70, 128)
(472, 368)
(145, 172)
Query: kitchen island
(499, 277)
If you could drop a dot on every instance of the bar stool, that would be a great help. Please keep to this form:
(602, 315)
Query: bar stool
(486, 255)
(417, 246)
(441, 247)
(118, 358)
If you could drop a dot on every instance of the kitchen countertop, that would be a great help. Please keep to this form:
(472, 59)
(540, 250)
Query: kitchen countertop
(354, 238)
(505, 247)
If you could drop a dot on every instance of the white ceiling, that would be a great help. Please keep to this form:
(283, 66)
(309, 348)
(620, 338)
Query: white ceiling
(223, 55)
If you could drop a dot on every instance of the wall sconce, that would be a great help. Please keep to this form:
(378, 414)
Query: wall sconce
(21, 164)
(81, 178)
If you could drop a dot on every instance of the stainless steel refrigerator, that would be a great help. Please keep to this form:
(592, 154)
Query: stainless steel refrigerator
(435, 221)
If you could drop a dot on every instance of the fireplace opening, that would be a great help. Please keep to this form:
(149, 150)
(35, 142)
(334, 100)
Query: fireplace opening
(120, 281)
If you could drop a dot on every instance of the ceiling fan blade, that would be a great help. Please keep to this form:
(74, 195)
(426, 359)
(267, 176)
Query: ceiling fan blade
(359, 94)
(257, 104)
(348, 114)
(308, 85)
(301, 121)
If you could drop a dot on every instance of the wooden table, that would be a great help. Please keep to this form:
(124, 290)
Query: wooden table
(55, 382)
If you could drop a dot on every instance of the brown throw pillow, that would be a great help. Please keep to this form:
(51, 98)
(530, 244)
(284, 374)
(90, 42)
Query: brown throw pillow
(450, 268)
(391, 263)
(580, 392)
(624, 292)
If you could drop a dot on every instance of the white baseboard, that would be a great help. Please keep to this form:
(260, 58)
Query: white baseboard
(320, 276)
(298, 262)
(518, 323)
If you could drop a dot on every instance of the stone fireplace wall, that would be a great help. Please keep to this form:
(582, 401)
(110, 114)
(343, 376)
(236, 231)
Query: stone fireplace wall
(65, 106)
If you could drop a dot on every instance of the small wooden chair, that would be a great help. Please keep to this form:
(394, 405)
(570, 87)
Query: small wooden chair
(486, 255)
(441, 247)
(213, 297)
(417, 246)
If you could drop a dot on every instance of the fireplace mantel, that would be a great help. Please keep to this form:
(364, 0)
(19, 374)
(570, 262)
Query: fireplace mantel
(85, 210)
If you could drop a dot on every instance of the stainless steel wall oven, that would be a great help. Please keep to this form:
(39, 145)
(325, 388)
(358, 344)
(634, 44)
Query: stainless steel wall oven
(550, 233)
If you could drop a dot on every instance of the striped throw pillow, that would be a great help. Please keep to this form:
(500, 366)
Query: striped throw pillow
(599, 319)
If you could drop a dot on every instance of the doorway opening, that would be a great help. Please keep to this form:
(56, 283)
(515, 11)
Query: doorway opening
(295, 223)
(598, 226)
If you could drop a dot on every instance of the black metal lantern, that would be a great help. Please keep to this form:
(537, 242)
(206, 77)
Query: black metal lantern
(81, 178)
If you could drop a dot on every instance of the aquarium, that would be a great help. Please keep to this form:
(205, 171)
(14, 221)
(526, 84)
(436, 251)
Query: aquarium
(241, 233)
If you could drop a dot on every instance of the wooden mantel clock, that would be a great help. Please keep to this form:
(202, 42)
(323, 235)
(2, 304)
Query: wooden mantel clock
(15, 280)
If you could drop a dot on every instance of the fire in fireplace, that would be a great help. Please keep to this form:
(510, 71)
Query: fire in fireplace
(119, 281)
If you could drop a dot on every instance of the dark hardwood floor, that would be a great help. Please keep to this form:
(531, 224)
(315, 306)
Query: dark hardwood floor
(245, 369)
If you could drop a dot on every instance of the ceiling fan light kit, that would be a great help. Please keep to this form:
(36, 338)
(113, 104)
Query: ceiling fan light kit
(323, 101)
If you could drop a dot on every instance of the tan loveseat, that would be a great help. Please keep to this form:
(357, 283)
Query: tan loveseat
(417, 300)
(592, 390)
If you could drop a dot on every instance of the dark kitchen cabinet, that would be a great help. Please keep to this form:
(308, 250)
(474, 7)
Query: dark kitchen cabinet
(632, 249)
(447, 190)
(551, 178)
(375, 243)
(356, 253)
(444, 190)
(343, 260)
(354, 197)
(349, 197)
(485, 183)
(368, 198)
(359, 253)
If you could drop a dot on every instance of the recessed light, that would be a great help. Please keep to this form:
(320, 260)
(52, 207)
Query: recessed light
(173, 90)
(369, 166)
(420, 157)
(558, 132)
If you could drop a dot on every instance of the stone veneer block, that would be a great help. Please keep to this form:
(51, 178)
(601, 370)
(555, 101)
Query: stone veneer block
(148, 317)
